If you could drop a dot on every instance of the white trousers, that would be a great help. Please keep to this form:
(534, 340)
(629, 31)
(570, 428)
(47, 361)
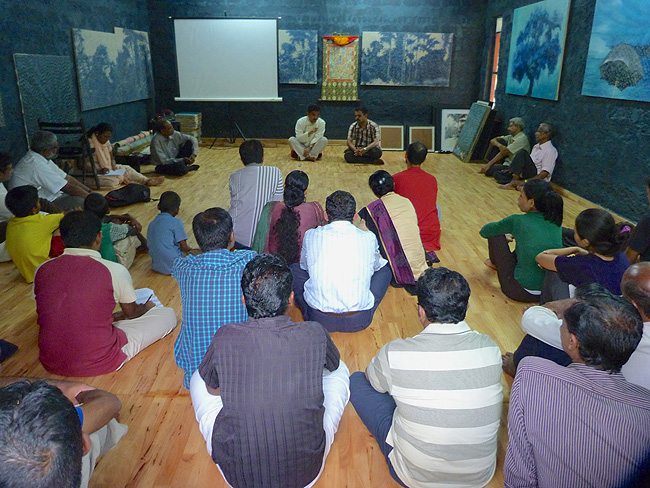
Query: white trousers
(101, 442)
(299, 147)
(146, 329)
(336, 389)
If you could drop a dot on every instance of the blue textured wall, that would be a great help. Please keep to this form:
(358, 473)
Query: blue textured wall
(403, 105)
(602, 142)
(43, 27)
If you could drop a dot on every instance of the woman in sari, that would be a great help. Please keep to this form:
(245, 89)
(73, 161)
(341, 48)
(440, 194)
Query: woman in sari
(393, 220)
(282, 225)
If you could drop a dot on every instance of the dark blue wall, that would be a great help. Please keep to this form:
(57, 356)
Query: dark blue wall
(43, 27)
(602, 142)
(403, 105)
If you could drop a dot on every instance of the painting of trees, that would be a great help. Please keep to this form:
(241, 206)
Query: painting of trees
(297, 57)
(536, 49)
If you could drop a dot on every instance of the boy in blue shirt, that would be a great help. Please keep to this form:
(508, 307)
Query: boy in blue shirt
(166, 235)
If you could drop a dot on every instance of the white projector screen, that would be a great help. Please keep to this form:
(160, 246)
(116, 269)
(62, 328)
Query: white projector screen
(227, 60)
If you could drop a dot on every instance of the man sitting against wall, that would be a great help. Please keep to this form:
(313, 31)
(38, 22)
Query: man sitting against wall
(173, 152)
(506, 147)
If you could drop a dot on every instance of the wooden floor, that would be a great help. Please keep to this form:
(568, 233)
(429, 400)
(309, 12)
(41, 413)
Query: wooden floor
(163, 447)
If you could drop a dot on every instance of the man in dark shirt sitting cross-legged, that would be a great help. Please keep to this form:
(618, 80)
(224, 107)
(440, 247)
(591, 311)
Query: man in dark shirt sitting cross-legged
(270, 393)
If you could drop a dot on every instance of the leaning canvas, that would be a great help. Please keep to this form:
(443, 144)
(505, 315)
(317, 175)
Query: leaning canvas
(451, 123)
(537, 49)
(618, 61)
(406, 59)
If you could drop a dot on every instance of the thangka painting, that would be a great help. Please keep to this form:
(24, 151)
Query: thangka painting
(406, 59)
(112, 68)
(451, 123)
(618, 61)
(537, 49)
(298, 56)
(340, 68)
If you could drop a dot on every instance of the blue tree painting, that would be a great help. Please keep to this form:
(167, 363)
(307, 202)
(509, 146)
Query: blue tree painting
(298, 56)
(537, 49)
(406, 59)
(618, 61)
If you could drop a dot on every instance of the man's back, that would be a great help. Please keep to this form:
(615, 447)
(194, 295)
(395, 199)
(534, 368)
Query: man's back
(252, 187)
(422, 189)
(446, 382)
(210, 286)
(270, 430)
(574, 426)
(75, 302)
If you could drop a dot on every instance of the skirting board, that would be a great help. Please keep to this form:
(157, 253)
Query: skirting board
(392, 137)
(424, 134)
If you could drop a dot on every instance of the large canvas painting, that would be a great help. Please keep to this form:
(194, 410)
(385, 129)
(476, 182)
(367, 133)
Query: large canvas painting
(112, 68)
(618, 61)
(298, 56)
(537, 49)
(406, 59)
(451, 123)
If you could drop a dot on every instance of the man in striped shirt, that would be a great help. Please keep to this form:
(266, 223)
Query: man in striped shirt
(583, 425)
(252, 187)
(433, 401)
(364, 140)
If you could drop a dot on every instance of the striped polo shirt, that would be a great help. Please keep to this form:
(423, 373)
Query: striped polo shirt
(446, 382)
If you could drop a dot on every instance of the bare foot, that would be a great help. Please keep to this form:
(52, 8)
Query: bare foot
(158, 180)
(310, 158)
(490, 264)
(508, 186)
(508, 364)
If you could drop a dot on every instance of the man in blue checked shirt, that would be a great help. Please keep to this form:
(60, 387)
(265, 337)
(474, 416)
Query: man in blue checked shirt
(210, 285)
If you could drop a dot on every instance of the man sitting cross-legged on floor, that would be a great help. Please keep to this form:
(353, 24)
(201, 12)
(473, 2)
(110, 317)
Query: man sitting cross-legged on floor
(46, 426)
(341, 278)
(76, 293)
(270, 393)
(210, 285)
(433, 401)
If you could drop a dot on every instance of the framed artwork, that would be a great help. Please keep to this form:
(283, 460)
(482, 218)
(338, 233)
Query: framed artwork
(406, 59)
(451, 123)
(537, 49)
(618, 60)
(424, 134)
(298, 56)
(392, 137)
(340, 68)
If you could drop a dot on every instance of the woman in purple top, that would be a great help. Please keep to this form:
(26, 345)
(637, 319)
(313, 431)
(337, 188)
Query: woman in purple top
(598, 259)
(282, 225)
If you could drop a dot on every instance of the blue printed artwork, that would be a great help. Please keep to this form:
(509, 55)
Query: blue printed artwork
(406, 59)
(298, 56)
(537, 49)
(112, 68)
(618, 61)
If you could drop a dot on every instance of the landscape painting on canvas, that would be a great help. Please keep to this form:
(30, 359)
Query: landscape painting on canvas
(298, 56)
(618, 61)
(537, 49)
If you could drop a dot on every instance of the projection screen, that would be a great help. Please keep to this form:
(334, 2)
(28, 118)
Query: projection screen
(227, 60)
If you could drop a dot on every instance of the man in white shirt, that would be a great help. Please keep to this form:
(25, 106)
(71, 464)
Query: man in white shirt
(542, 326)
(309, 142)
(173, 153)
(37, 169)
(341, 278)
(539, 165)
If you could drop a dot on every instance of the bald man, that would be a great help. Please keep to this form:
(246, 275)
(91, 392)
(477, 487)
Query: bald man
(542, 326)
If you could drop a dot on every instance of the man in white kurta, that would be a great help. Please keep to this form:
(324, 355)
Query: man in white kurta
(310, 140)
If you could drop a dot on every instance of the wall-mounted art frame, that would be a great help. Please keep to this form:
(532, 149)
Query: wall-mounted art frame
(298, 56)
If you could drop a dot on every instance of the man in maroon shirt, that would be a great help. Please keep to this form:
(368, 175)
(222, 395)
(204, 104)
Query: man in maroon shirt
(421, 188)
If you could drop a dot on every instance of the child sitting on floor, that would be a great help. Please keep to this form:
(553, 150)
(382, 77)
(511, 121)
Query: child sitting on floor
(166, 234)
(121, 234)
(32, 237)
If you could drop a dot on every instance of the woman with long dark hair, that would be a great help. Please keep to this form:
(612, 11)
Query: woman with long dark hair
(537, 229)
(282, 225)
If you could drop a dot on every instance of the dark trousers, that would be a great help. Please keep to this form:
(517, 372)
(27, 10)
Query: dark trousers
(376, 412)
(531, 346)
(179, 168)
(522, 166)
(491, 152)
(553, 288)
(506, 261)
(368, 158)
(344, 322)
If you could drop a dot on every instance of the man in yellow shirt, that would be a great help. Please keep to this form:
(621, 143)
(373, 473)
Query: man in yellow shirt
(29, 233)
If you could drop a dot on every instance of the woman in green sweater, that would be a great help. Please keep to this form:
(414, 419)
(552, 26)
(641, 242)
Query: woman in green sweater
(537, 229)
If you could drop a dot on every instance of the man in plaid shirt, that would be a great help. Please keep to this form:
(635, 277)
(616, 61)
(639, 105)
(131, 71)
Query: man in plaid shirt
(364, 139)
(210, 285)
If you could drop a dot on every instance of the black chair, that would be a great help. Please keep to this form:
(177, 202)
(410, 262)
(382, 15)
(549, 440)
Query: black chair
(73, 146)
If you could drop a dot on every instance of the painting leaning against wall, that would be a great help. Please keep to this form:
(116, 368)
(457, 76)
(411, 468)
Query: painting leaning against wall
(406, 59)
(618, 61)
(537, 49)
